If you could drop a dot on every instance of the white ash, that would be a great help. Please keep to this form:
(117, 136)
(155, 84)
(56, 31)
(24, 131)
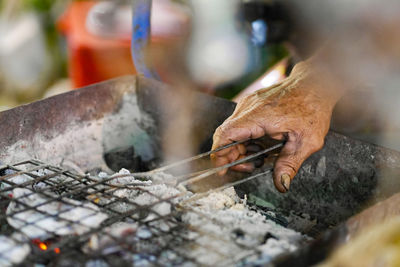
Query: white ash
(123, 238)
(164, 178)
(149, 195)
(220, 229)
(28, 181)
(225, 231)
(50, 217)
(23, 179)
(143, 193)
(12, 251)
(103, 175)
(223, 215)
(105, 241)
(217, 201)
(124, 177)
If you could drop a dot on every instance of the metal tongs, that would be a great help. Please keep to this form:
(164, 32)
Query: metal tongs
(181, 182)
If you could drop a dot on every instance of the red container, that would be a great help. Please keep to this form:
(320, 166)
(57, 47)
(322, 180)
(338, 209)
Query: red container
(92, 58)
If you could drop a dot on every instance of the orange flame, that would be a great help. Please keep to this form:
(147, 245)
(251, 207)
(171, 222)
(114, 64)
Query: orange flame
(42, 246)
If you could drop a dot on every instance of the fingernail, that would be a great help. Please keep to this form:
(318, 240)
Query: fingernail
(285, 181)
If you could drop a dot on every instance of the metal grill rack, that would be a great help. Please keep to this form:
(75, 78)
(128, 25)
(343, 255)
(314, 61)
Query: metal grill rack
(85, 238)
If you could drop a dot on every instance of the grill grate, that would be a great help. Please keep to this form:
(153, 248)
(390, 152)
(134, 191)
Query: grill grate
(55, 217)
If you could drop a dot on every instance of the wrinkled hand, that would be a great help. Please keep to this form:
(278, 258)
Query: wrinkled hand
(297, 110)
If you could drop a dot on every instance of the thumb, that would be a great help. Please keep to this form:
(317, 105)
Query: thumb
(294, 153)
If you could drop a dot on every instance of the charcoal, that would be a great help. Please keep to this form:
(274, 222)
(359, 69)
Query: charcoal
(122, 220)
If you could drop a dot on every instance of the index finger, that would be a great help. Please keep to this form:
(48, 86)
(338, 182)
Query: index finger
(226, 134)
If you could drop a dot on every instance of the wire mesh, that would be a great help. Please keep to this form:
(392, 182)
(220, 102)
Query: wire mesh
(55, 217)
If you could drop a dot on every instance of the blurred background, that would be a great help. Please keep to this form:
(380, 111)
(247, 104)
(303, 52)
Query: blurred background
(227, 48)
(33, 56)
(52, 46)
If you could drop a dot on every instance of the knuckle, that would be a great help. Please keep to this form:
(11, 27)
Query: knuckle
(223, 132)
(229, 126)
(223, 129)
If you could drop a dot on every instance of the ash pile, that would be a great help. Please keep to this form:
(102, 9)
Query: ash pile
(54, 217)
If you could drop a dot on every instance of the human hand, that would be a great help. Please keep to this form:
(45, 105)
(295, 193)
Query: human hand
(297, 110)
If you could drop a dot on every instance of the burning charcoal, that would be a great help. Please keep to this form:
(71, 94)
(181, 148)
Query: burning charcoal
(12, 252)
(38, 215)
(157, 224)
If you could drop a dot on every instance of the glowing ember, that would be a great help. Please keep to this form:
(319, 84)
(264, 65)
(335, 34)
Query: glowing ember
(42, 246)
(57, 250)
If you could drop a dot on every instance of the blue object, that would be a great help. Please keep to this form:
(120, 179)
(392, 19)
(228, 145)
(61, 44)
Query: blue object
(259, 32)
(141, 36)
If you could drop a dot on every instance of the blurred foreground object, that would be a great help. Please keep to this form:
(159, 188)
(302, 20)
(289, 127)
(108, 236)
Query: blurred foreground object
(25, 63)
(379, 213)
(219, 51)
(378, 245)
